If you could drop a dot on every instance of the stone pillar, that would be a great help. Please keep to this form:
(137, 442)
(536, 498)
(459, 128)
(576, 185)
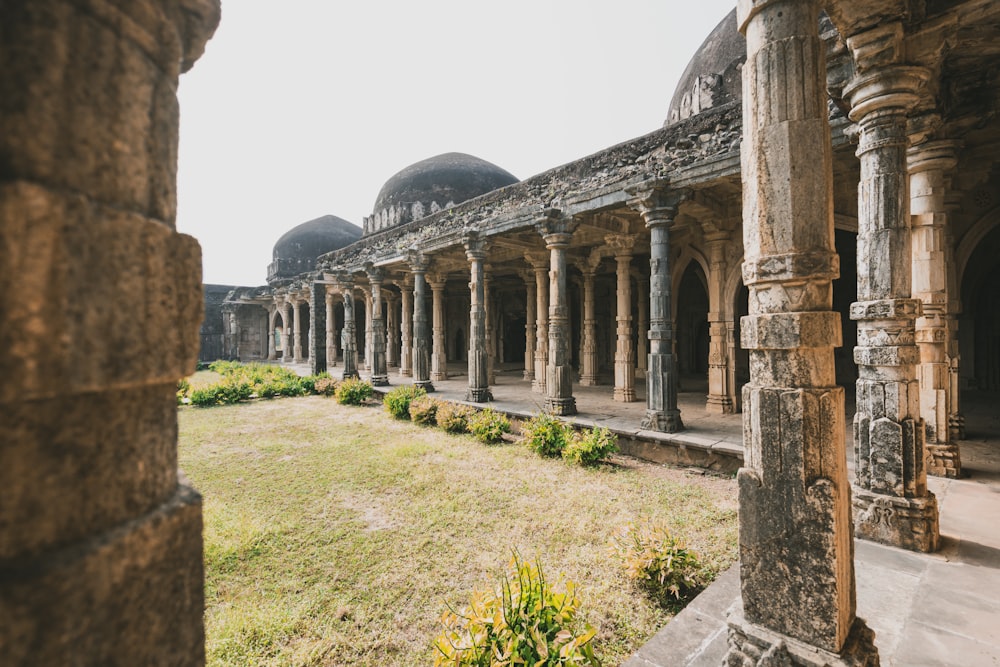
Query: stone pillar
(891, 501)
(796, 550)
(377, 364)
(368, 331)
(272, 344)
(557, 232)
(421, 336)
(928, 164)
(331, 330)
(658, 208)
(391, 333)
(317, 328)
(956, 420)
(406, 351)
(621, 245)
(490, 324)
(349, 335)
(297, 331)
(530, 301)
(641, 353)
(101, 547)
(731, 389)
(719, 399)
(439, 353)
(540, 265)
(479, 387)
(588, 338)
(287, 345)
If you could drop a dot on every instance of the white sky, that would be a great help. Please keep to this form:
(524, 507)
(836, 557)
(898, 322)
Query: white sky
(301, 108)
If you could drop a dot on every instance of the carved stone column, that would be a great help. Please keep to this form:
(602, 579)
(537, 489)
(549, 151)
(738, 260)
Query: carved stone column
(796, 549)
(421, 335)
(621, 245)
(588, 338)
(297, 330)
(658, 208)
(272, 344)
(379, 369)
(891, 501)
(557, 232)
(490, 325)
(368, 331)
(287, 345)
(349, 335)
(928, 164)
(391, 332)
(719, 399)
(331, 330)
(529, 324)
(406, 351)
(479, 381)
(956, 420)
(540, 265)
(642, 298)
(439, 350)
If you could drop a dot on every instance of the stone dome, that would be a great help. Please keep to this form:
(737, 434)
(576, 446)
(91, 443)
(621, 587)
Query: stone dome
(297, 249)
(712, 78)
(434, 184)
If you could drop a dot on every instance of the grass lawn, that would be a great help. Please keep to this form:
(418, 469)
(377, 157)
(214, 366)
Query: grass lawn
(335, 535)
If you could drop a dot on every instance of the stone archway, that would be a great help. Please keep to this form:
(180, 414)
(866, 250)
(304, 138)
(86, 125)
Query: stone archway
(692, 328)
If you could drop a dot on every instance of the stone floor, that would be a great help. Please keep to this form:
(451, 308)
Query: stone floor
(927, 610)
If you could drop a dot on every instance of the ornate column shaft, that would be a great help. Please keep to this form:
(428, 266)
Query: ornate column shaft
(439, 350)
(421, 334)
(658, 208)
(641, 352)
(956, 420)
(490, 325)
(588, 339)
(377, 364)
(621, 245)
(719, 399)
(479, 380)
(406, 351)
(297, 320)
(272, 344)
(391, 333)
(928, 164)
(286, 331)
(368, 331)
(891, 501)
(557, 232)
(530, 301)
(796, 549)
(331, 330)
(540, 265)
(349, 335)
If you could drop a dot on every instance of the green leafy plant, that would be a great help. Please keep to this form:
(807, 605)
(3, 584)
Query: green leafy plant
(488, 426)
(590, 446)
(659, 563)
(325, 386)
(222, 393)
(397, 401)
(526, 622)
(353, 391)
(453, 417)
(546, 435)
(423, 410)
(183, 392)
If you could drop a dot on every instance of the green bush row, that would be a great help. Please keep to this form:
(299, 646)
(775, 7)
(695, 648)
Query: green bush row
(547, 436)
(241, 382)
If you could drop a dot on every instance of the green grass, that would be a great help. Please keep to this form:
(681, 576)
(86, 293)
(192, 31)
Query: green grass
(334, 535)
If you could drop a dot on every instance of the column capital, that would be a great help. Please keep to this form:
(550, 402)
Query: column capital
(656, 202)
(621, 244)
(588, 265)
(556, 228)
(346, 281)
(537, 260)
(376, 274)
(437, 281)
(893, 89)
(475, 245)
(933, 155)
(418, 261)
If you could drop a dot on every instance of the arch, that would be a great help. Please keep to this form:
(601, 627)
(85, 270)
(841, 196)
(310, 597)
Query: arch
(731, 288)
(687, 256)
(970, 241)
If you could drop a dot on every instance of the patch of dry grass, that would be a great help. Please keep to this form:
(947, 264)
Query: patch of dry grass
(335, 535)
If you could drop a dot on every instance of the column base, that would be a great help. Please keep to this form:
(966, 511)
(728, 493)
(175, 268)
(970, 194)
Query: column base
(624, 395)
(426, 385)
(944, 460)
(529, 375)
(538, 387)
(439, 376)
(561, 406)
(479, 395)
(380, 380)
(720, 405)
(956, 427)
(665, 422)
(406, 372)
(753, 645)
(907, 523)
(347, 375)
(588, 381)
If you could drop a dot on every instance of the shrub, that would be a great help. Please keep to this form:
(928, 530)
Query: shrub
(526, 622)
(423, 410)
(489, 426)
(183, 392)
(397, 401)
(546, 435)
(353, 391)
(325, 386)
(453, 418)
(591, 446)
(659, 562)
(221, 394)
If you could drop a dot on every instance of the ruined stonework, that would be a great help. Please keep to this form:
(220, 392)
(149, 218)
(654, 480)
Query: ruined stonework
(100, 537)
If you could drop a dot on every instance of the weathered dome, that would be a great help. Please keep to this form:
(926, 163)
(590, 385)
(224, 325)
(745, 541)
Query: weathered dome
(297, 249)
(434, 184)
(712, 78)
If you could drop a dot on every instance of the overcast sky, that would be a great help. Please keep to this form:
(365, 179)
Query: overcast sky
(301, 108)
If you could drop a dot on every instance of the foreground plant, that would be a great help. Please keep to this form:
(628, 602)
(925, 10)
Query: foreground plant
(590, 446)
(525, 622)
(489, 426)
(544, 434)
(397, 401)
(660, 563)
(353, 391)
(453, 417)
(423, 410)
